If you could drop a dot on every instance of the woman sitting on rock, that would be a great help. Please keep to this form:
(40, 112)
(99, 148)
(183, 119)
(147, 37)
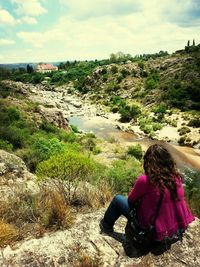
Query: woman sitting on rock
(160, 175)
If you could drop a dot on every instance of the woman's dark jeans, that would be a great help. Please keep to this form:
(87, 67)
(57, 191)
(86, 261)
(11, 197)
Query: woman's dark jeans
(118, 206)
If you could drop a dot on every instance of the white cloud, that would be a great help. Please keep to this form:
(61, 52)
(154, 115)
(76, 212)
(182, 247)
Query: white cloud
(6, 42)
(6, 17)
(29, 7)
(29, 20)
(90, 8)
(151, 29)
(142, 32)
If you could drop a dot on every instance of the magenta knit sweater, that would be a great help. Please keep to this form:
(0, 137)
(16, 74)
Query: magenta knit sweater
(173, 214)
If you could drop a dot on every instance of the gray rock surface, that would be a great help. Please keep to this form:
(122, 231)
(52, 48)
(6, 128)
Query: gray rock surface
(14, 177)
(67, 248)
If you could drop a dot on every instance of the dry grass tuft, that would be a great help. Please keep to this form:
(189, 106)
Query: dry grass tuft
(33, 215)
(8, 233)
(80, 258)
(94, 196)
(53, 210)
(88, 261)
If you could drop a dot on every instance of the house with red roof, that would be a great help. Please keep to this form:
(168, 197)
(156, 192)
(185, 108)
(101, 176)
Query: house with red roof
(46, 67)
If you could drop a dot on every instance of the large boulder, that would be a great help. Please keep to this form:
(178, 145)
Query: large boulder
(55, 116)
(14, 177)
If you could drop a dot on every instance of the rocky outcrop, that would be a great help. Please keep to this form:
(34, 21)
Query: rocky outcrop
(54, 116)
(84, 243)
(14, 177)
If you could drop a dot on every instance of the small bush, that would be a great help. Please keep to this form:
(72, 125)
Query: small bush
(157, 126)
(48, 127)
(41, 149)
(194, 122)
(115, 109)
(114, 69)
(182, 140)
(129, 112)
(96, 150)
(147, 129)
(173, 123)
(125, 72)
(105, 77)
(15, 136)
(160, 109)
(74, 128)
(5, 145)
(135, 151)
(184, 130)
(122, 175)
(66, 136)
(120, 78)
(192, 190)
(67, 170)
(141, 65)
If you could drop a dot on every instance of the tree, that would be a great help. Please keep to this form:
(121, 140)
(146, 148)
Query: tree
(29, 69)
(193, 42)
(113, 58)
(188, 43)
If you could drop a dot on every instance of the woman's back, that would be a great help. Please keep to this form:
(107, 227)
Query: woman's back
(173, 215)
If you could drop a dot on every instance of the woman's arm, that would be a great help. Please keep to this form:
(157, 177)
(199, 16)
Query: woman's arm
(139, 189)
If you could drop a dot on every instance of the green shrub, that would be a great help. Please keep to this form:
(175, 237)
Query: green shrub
(15, 136)
(161, 108)
(157, 126)
(5, 145)
(118, 101)
(67, 169)
(42, 149)
(120, 78)
(74, 128)
(105, 77)
(112, 87)
(182, 140)
(48, 147)
(125, 72)
(114, 109)
(67, 137)
(173, 123)
(48, 127)
(129, 112)
(184, 130)
(147, 129)
(135, 151)
(114, 69)
(141, 65)
(122, 175)
(194, 122)
(96, 150)
(192, 190)
(152, 80)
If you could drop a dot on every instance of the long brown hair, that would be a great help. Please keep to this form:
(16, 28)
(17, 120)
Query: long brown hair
(161, 169)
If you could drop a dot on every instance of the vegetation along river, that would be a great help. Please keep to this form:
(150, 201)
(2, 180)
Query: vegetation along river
(104, 128)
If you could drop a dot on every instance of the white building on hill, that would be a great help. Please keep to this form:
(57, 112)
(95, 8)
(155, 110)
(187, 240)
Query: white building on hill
(46, 67)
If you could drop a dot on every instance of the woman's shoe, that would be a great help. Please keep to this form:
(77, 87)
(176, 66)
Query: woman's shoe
(104, 228)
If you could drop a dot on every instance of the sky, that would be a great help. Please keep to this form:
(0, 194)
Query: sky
(50, 30)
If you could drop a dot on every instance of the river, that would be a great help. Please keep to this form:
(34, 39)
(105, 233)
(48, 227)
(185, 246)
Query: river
(104, 128)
